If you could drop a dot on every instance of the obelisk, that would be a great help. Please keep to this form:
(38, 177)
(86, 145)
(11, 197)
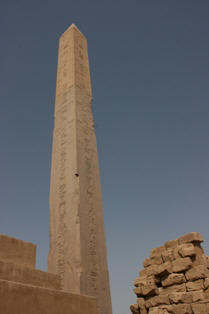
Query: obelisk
(77, 238)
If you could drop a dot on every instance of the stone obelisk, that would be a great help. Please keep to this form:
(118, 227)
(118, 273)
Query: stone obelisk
(77, 238)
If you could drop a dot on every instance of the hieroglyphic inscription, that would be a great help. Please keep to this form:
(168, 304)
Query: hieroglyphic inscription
(61, 207)
(86, 127)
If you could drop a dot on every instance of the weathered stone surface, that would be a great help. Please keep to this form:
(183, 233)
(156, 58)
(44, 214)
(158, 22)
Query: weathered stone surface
(174, 288)
(157, 251)
(162, 309)
(171, 244)
(172, 279)
(207, 261)
(148, 271)
(194, 285)
(146, 286)
(141, 305)
(77, 238)
(180, 297)
(196, 272)
(200, 308)
(157, 260)
(206, 283)
(197, 296)
(149, 290)
(168, 255)
(182, 280)
(17, 298)
(191, 237)
(181, 264)
(157, 300)
(143, 281)
(134, 308)
(182, 309)
(163, 269)
(140, 302)
(27, 275)
(17, 251)
(147, 262)
(186, 250)
(199, 258)
(138, 291)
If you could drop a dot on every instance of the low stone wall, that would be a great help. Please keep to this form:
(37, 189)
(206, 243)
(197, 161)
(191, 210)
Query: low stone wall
(17, 251)
(175, 279)
(24, 289)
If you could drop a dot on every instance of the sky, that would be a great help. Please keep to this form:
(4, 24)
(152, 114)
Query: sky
(149, 63)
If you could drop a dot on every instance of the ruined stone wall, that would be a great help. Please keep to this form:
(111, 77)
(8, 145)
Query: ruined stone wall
(175, 279)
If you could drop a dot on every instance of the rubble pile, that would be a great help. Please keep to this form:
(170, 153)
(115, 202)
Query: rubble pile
(175, 279)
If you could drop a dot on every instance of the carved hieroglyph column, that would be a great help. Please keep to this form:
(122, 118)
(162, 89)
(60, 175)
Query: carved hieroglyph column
(77, 238)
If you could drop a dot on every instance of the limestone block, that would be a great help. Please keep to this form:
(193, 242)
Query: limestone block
(162, 309)
(146, 286)
(163, 269)
(181, 264)
(174, 288)
(180, 297)
(147, 262)
(174, 278)
(157, 259)
(176, 253)
(168, 255)
(157, 251)
(197, 296)
(196, 272)
(143, 281)
(139, 280)
(207, 261)
(194, 285)
(206, 283)
(134, 308)
(27, 275)
(148, 271)
(149, 290)
(17, 251)
(199, 258)
(171, 244)
(206, 295)
(141, 305)
(191, 237)
(182, 309)
(140, 302)
(17, 298)
(138, 291)
(200, 308)
(186, 250)
(157, 300)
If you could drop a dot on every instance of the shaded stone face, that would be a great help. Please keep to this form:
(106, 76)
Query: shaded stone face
(24, 289)
(17, 298)
(77, 238)
(17, 251)
(175, 279)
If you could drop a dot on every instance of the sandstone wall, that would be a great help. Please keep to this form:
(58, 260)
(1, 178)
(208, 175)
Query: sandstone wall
(24, 289)
(175, 279)
(17, 251)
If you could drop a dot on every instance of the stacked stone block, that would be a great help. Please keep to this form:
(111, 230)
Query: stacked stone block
(175, 279)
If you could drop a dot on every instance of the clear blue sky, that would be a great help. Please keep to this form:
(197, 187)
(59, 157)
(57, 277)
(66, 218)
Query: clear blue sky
(150, 75)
